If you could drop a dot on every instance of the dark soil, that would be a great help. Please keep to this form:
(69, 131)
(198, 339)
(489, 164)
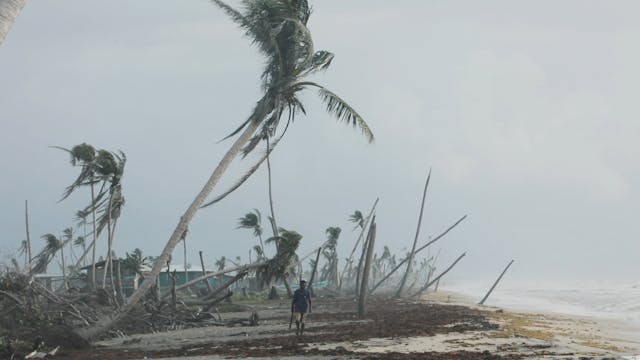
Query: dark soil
(385, 319)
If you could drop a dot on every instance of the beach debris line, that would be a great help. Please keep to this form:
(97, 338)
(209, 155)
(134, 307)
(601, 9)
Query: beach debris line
(495, 283)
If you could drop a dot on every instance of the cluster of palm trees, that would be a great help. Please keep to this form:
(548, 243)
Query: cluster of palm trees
(279, 30)
(101, 171)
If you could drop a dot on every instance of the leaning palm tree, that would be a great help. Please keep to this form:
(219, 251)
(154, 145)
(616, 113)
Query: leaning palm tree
(279, 29)
(357, 218)
(9, 10)
(84, 156)
(52, 246)
(221, 263)
(253, 221)
(133, 264)
(280, 266)
(110, 169)
(24, 250)
(331, 255)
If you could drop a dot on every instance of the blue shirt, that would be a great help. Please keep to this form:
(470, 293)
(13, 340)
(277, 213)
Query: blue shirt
(301, 300)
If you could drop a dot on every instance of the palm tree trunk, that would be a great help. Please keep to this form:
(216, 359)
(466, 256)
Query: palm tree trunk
(9, 10)
(313, 272)
(264, 107)
(204, 273)
(26, 222)
(274, 225)
(362, 298)
(186, 274)
(355, 246)
(64, 268)
(95, 235)
(415, 240)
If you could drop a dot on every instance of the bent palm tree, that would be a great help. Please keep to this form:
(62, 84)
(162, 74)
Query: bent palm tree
(9, 10)
(84, 156)
(278, 28)
(253, 221)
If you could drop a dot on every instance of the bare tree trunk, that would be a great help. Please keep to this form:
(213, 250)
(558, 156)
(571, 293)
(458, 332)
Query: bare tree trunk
(263, 108)
(415, 240)
(186, 273)
(313, 272)
(229, 282)
(173, 290)
(95, 236)
(417, 251)
(439, 276)
(274, 225)
(362, 298)
(495, 283)
(355, 246)
(120, 291)
(26, 222)
(64, 268)
(361, 261)
(204, 273)
(9, 10)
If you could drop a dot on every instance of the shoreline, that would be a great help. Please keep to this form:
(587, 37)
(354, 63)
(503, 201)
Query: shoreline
(440, 326)
(570, 331)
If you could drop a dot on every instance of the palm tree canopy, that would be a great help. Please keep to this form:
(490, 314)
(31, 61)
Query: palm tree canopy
(279, 266)
(133, 262)
(253, 221)
(357, 218)
(333, 233)
(279, 30)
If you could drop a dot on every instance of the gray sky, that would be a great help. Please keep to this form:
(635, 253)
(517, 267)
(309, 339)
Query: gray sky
(526, 111)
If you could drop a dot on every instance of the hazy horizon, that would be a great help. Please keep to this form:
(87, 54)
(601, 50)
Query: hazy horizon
(525, 113)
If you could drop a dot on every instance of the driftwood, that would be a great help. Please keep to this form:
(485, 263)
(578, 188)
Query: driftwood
(415, 240)
(417, 251)
(495, 283)
(439, 276)
(362, 299)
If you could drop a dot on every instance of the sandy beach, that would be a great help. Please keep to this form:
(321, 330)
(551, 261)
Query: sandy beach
(439, 326)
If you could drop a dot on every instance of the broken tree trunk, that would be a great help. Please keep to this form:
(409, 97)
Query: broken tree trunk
(439, 276)
(228, 270)
(355, 246)
(313, 273)
(204, 273)
(362, 299)
(173, 276)
(365, 246)
(495, 283)
(415, 240)
(26, 222)
(229, 282)
(417, 251)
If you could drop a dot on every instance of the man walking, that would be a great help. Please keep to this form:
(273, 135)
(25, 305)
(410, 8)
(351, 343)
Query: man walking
(300, 303)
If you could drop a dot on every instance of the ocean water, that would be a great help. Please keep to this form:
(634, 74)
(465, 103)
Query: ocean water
(603, 300)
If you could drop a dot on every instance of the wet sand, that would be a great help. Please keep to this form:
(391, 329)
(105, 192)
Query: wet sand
(439, 326)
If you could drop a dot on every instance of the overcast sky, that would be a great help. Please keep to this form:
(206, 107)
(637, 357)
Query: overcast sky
(527, 112)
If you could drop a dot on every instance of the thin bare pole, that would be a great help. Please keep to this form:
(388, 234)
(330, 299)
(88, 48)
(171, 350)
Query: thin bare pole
(355, 246)
(313, 273)
(415, 240)
(26, 222)
(362, 299)
(495, 283)
(204, 273)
